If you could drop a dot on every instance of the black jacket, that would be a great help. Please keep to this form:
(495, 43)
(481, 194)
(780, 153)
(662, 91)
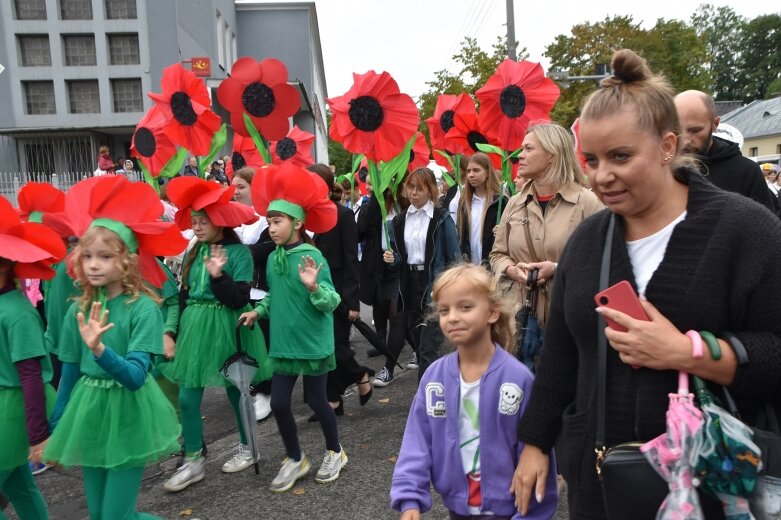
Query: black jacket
(726, 167)
(190, 171)
(488, 232)
(376, 280)
(340, 248)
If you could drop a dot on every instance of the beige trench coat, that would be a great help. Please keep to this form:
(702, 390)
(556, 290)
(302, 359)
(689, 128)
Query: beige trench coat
(568, 208)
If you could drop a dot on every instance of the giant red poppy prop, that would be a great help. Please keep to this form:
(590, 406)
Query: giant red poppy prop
(466, 134)
(134, 204)
(419, 155)
(245, 153)
(373, 117)
(150, 142)
(260, 90)
(193, 194)
(515, 95)
(33, 247)
(296, 148)
(43, 203)
(185, 104)
(578, 149)
(448, 105)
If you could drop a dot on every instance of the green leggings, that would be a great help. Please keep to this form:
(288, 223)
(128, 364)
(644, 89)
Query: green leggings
(192, 426)
(112, 494)
(19, 487)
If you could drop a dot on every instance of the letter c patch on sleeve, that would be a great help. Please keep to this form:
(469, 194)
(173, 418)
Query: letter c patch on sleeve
(435, 400)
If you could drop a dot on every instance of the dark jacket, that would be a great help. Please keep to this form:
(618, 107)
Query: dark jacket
(340, 248)
(376, 280)
(190, 171)
(726, 167)
(261, 250)
(488, 232)
(441, 250)
(719, 273)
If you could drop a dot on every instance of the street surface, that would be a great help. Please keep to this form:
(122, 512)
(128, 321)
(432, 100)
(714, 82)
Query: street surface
(371, 436)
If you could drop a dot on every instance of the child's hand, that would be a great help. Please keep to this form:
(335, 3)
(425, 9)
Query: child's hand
(249, 317)
(36, 452)
(92, 330)
(169, 346)
(216, 261)
(387, 256)
(410, 514)
(308, 272)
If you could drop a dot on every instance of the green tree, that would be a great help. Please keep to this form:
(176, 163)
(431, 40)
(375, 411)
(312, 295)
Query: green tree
(760, 67)
(337, 155)
(685, 70)
(475, 66)
(721, 27)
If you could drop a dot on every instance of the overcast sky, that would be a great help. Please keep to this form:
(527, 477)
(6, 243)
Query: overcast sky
(411, 39)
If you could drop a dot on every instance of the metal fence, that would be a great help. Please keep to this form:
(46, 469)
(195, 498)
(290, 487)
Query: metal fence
(11, 182)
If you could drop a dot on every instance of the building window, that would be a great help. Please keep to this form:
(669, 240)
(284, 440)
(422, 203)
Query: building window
(30, 9)
(753, 151)
(84, 97)
(34, 50)
(127, 95)
(123, 49)
(39, 157)
(76, 9)
(39, 97)
(79, 49)
(121, 9)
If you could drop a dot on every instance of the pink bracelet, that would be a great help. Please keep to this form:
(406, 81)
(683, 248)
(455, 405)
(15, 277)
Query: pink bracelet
(697, 347)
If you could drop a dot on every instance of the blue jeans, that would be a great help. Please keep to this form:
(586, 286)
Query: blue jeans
(532, 342)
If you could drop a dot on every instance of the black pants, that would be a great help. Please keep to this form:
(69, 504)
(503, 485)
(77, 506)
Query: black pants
(406, 324)
(347, 370)
(281, 396)
(430, 348)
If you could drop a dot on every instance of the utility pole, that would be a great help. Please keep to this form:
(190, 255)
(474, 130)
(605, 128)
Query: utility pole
(511, 31)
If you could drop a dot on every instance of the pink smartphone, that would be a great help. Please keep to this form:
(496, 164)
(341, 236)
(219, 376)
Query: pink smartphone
(621, 297)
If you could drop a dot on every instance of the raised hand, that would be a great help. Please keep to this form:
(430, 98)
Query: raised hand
(308, 272)
(216, 261)
(92, 330)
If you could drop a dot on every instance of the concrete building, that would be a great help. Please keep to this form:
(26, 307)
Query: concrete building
(78, 71)
(760, 124)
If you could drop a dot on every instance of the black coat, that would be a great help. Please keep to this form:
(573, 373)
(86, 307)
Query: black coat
(488, 232)
(340, 249)
(376, 280)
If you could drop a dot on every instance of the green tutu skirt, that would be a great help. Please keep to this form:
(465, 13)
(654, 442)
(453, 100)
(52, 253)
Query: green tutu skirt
(14, 444)
(206, 339)
(107, 426)
(306, 367)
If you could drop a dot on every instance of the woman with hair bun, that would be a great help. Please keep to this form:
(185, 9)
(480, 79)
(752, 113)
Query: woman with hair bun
(684, 246)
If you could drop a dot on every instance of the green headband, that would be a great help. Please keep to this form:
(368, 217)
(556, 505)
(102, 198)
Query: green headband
(35, 216)
(124, 232)
(198, 213)
(288, 208)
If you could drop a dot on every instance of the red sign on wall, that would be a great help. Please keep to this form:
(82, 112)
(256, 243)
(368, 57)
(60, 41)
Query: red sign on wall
(202, 67)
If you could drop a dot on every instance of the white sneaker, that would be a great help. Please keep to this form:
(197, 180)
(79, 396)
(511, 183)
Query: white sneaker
(242, 459)
(262, 407)
(383, 378)
(289, 473)
(331, 467)
(412, 364)
(192, 471)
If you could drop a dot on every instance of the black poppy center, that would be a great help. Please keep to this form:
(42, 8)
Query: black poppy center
(145, 142)
(514, 160)
(286, 148)
(446, 120)
(512, 101)
(411, 155)
(366, 113)
(238, 161)
(182, 108)
(473, 138)
(258, 99)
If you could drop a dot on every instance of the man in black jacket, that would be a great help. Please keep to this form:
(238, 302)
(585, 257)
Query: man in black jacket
(724, 164)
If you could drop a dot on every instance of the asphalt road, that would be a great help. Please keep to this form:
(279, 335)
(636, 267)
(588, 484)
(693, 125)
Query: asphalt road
(371, 436)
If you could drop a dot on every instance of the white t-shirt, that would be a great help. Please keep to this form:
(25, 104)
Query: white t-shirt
(469, 438)
(476, 229)
(647, 253)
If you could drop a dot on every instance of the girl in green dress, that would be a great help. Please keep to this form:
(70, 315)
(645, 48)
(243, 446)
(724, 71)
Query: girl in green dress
(28, 251)
(111, 418)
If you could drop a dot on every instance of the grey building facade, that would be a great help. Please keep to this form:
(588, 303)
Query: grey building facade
(78, 71)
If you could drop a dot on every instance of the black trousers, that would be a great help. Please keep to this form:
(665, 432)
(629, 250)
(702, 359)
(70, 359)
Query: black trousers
(430, 348)
(347, 370)
(407, 323)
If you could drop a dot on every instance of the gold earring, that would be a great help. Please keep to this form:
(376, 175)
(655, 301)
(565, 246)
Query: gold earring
(668, 158)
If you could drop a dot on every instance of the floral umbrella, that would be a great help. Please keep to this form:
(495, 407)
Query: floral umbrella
(245, 153)
(296, 148)
(419, 154)
(185, 105)
(259, 90)
(152, 146)
(516, 94)
(448, 105)
(373, 117)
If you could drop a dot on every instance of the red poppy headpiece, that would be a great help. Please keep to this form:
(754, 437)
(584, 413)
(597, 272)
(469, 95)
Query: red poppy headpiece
(132, 210)
(31, 246)
(191, 194)
(297, 192)
(43, 203)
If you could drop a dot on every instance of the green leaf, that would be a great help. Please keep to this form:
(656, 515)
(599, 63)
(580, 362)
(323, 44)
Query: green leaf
(148, 176)
(260, 143)
(489, 148)
(218, 140)
(448, 179)
(448, 158)
(357, 162)
(516, 153)
(174, 164)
